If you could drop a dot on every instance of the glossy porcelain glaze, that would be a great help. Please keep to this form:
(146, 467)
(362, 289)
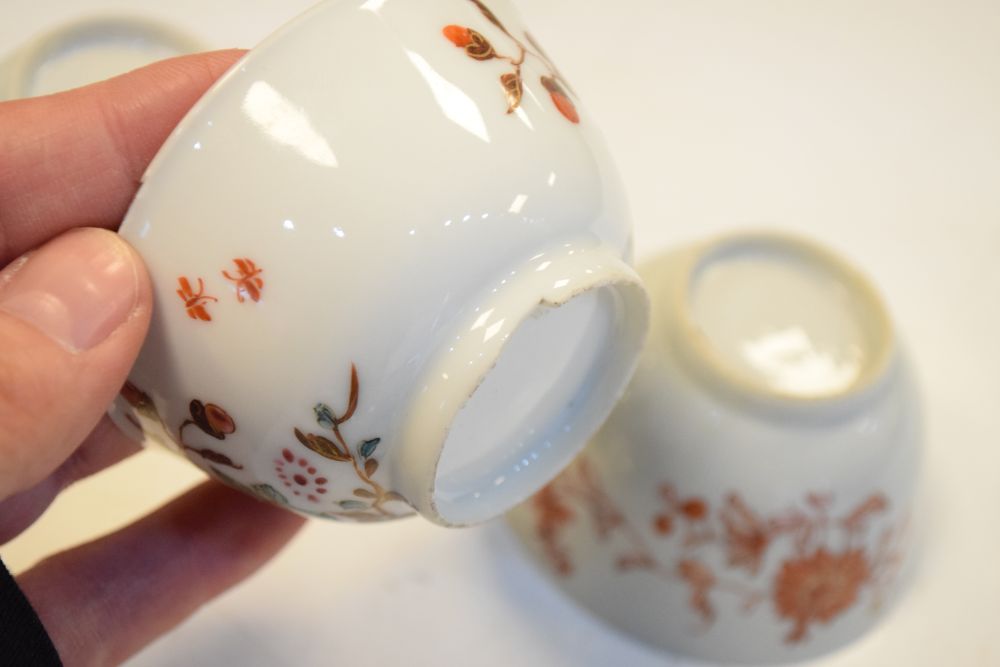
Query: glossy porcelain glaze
(89, 50)
(806, 338)
(389, 237)
(750, 498)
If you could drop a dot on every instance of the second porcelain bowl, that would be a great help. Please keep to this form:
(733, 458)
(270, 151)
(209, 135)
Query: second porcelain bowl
(390, 264)
(89, 50)
(750, 498)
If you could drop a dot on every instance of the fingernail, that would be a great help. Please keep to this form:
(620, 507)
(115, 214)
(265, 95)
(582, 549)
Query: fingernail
(76, 289)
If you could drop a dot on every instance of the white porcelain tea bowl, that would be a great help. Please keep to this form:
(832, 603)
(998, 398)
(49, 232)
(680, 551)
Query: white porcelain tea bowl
(390, 261)
(750, 498)
(89, 50)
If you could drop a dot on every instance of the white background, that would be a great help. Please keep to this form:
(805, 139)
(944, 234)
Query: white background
(873, 126)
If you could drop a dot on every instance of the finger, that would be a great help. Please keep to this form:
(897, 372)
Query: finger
(72, 318)
(104, 447)
(75, 158)
(103, 601)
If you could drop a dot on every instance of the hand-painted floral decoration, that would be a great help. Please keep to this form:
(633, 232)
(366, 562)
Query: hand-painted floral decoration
(824, 575)
(213, 421)
(369, 498)
(264, 492)
(299, 473)
(300, 477)
(140, 402)
(479, 47)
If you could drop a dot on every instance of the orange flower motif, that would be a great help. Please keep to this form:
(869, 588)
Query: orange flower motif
(458, 35)
(694, 509)
(476, 46)
(746, 536)
(818, 588)
(700, 581)
(561, 99)
(211, 419)
(813, 584)
(872, 505)
(134, 396)
(605, 516)
(480, 48)
(663, 524)
(553, 514)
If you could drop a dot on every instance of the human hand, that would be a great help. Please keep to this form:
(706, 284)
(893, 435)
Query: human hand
(73, 314)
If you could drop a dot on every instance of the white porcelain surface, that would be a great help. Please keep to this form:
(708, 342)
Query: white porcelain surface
(870, 126)
(751, 497)
(345, 233)
(89, 50)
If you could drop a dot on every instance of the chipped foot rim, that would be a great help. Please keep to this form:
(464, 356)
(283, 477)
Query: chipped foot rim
(518, 391)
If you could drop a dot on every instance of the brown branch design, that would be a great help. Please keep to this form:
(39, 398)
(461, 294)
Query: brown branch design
(478, 47)
(299, 476)
(208, 417)
(369, 500)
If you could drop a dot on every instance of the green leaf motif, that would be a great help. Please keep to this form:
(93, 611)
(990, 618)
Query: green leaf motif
(361, 517)
(269, 493)
(324, 415)
(263, 491)
(368, 447)
(353, 505)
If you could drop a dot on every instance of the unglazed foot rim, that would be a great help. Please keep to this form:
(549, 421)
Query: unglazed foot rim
(547, 281)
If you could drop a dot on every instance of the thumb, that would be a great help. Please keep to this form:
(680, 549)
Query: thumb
(73, 315)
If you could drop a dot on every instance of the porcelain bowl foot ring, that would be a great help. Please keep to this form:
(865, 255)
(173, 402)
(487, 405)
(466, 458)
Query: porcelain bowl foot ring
(525, 379)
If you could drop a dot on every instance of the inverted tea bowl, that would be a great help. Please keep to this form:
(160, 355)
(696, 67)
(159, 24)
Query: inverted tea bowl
(750, 499)
(390, 261)
(88, 50)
